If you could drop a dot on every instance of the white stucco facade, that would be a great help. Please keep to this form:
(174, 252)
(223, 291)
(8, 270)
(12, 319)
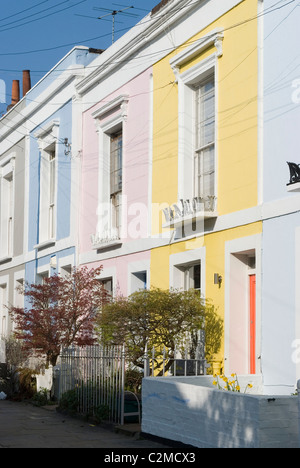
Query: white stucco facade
(281, 205)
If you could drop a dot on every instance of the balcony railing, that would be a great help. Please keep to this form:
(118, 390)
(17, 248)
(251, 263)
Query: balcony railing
(188, 211)
(294, 183)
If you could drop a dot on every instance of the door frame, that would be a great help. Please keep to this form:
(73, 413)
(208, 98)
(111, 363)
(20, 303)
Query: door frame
(252, 321)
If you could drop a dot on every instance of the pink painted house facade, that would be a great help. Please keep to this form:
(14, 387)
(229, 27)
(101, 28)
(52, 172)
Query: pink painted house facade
(115, 181)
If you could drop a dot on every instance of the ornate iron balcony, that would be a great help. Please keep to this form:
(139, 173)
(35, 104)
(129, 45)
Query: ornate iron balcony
(294, 173)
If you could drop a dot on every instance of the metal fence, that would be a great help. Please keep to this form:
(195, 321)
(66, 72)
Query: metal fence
(184, 360)
(97, 375)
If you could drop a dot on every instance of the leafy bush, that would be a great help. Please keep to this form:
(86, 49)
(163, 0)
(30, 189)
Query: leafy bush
(101, 413)
(133, 380)
(69, 402)
(27, 383)
(160, 318)
(41, 397)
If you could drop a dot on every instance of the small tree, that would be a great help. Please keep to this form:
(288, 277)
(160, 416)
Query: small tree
(160, 319)
(61, 311)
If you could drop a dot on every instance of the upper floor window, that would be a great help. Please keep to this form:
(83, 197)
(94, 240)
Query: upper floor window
(116, 157)
(110, 123)
(47, 139)
(47, 212)
(197, 76)
(52, 185)
(7, 210)
(204, 162)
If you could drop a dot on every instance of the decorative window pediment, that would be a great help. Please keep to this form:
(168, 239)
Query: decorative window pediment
(215, 38)
(47, 135)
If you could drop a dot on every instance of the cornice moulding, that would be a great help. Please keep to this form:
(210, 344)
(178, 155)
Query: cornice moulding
(130, 44)
(61, 82)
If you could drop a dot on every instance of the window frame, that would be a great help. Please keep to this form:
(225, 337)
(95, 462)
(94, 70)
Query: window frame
(190, 80)
(109, 120)
(187, 79)
(201, 146)
(48, 145)
(181, 263)
(7, 212)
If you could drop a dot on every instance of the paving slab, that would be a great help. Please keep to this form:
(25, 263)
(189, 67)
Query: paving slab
(23, 425)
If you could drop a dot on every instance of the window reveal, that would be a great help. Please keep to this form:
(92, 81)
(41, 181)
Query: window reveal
(192, 277)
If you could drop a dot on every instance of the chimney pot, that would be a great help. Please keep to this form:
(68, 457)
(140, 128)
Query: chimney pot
(15, 94)
(26, 81)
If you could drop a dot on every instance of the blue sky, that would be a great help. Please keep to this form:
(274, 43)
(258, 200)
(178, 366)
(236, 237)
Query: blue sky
(36, 34)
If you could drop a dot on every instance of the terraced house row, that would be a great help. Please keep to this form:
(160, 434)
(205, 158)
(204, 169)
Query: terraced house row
(164, 159)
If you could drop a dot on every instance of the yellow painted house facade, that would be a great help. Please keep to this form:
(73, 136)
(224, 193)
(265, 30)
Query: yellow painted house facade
(206, 174)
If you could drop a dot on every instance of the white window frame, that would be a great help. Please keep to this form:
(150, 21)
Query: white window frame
(66, 265)
(106, 234)
(186, 105)
(18, 299)
(4, 316)
(43, 271)
(48, 145)
(201, 146)
(181, 262)
(7, 192)
(110, 273)
(135, 268)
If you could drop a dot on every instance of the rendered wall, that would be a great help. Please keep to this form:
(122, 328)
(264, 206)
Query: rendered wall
(197, 414)
(63, 202)
(281, 98)
(135, 164)
(236, 120)
(281, 241)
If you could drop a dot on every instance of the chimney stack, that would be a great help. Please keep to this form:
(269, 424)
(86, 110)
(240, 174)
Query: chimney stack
(15, 94)
(26, 81)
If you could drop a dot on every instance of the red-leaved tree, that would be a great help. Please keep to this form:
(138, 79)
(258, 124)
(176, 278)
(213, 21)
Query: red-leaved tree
(59, 312)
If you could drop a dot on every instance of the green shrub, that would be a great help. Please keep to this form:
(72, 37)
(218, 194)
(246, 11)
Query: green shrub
(27, 382)
(41, 398)
(69, 402)
(101, 413)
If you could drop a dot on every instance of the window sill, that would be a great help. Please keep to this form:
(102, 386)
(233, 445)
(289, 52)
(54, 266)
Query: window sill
(105, 241)
(106, 244)
(5, 259)
(189, 219)
(45, 244)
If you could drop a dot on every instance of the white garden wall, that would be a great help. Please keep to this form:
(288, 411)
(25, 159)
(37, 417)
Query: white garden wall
(192, 411)
(2, 351)
(45, 379)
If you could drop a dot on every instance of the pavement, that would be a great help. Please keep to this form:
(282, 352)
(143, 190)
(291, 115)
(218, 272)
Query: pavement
(23, 425)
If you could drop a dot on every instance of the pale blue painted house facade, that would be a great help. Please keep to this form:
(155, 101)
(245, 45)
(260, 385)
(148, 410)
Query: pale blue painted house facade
(280, 209)
(40, 151)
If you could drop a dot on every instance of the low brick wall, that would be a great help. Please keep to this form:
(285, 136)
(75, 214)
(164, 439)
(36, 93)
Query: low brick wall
(192, 411)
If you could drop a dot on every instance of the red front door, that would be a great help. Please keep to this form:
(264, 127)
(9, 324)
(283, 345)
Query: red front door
(252, 290)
